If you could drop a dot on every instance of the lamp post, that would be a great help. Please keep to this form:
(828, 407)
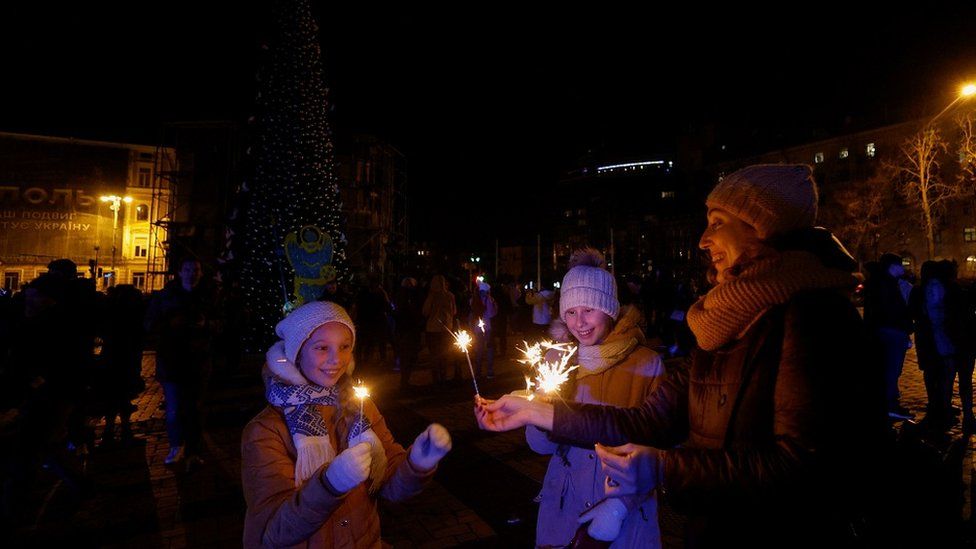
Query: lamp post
(115, 205)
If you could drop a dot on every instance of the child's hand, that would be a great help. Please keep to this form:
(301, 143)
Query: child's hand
(429, 447)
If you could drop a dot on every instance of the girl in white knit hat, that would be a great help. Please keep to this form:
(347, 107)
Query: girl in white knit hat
(771, 436)
(312, 465)
(616, 369)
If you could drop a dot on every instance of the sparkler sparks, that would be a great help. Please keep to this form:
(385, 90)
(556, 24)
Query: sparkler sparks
(549, 375)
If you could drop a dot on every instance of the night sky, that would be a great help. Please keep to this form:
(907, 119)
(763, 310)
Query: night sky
(491, 104)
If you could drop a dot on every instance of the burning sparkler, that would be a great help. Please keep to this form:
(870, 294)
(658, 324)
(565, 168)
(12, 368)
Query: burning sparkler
(462, 339)
(549, 375)
(362, 393)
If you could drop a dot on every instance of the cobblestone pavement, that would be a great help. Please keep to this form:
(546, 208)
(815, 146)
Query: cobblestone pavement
(482, 495)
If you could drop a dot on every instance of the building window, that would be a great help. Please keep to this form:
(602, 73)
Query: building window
(139, 280)
(142, 247)
(870, 150)
(11, 281)
(818, 158)
(971, 264)
(568, 213)
(145, 177)
(146, 156)
(969, 234)
(667, 194)
(142, 212)
(844, 153)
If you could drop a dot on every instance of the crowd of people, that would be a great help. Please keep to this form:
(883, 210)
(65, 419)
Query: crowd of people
(767, 425)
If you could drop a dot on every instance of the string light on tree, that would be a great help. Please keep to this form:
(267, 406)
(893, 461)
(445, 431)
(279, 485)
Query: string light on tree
(294, 180)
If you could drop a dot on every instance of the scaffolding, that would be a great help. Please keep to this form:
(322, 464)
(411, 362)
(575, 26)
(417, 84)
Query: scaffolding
(166, 184)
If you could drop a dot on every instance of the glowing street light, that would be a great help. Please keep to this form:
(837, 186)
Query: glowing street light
(965, 92)
(116, 204)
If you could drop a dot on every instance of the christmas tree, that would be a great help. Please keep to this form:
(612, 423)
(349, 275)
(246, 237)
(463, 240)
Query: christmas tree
(294, 181)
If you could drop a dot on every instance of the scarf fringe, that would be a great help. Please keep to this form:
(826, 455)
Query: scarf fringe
(312, 452)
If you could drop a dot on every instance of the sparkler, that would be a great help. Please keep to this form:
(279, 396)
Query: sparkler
(462, 339)
(549, 375)
(361, 393)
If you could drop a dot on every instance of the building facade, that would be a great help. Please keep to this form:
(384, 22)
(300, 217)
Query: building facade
(857, 168)
(640, 213)
(100, 204)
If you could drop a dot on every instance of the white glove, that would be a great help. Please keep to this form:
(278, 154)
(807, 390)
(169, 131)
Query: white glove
(377, 455)
(429, 447)
(607, 517)
(349, 468)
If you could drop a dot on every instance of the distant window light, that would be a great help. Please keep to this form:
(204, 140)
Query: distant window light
(969, 234)
(11, 281)
(145, 177)
(818, 158)
(581, 222)
(668, 194)
(142, 212)
(870, 150)
(581, 211)
(971, 264)
(630, 165)
(844, 153)
(568, 213)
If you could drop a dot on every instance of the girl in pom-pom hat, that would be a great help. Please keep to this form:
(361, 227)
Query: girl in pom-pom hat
(312, 465)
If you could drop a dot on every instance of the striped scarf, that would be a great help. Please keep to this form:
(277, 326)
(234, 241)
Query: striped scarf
(726, 312)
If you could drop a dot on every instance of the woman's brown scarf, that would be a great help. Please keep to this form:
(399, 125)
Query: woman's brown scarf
(729, 309)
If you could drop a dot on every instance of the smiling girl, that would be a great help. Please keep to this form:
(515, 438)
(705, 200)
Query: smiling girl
(615, 369)
(312, 464)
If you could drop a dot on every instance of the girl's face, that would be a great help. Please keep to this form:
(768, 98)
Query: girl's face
(726, 239)
(326, 356)
(589, 326)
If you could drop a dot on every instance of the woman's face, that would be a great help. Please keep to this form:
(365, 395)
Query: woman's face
(726, 239)
(589, 326)
(327, 354)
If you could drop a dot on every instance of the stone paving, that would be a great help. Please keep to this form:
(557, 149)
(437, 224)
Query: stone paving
(482, 495)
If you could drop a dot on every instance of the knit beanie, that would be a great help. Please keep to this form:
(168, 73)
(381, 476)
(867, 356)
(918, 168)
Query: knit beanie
(588, 284)
(773, 198)
(298, 326)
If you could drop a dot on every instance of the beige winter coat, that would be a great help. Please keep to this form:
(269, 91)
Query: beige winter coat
(280, 515)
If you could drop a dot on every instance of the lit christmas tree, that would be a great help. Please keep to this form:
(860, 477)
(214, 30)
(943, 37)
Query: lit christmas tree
(294, 183)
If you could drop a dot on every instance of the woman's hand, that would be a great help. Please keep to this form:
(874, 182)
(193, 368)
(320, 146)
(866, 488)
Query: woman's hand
(511, 412)
(630, 469)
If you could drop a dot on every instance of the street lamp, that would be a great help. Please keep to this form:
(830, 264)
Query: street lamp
(116, 204)
(966, 91)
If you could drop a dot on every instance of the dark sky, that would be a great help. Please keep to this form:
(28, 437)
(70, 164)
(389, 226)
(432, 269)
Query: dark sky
(494, 101)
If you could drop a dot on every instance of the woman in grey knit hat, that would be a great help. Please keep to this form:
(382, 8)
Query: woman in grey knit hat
(768, 437)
